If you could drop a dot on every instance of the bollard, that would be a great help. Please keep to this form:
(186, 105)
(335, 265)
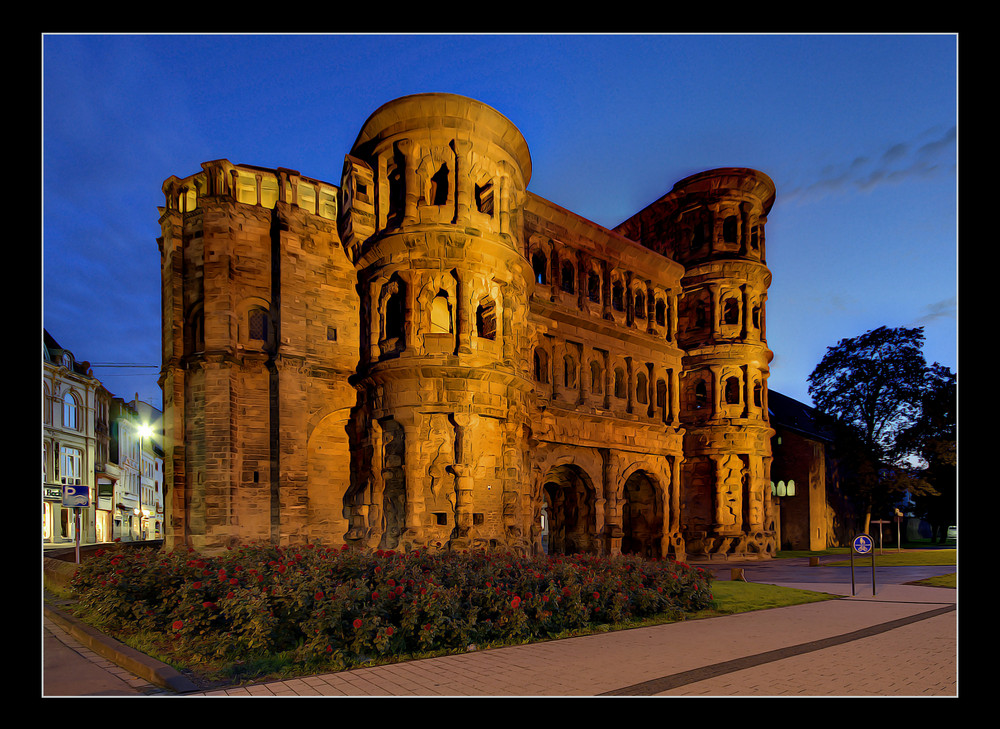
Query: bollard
(737, 574)
(814, 561)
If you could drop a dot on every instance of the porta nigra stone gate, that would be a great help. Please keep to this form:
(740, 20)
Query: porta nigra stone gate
(430, 356)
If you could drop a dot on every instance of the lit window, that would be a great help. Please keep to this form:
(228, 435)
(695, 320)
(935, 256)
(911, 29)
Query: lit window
(70, 412)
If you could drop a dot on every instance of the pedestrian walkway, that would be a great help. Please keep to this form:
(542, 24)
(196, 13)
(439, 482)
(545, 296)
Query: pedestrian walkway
(899, 641)
(72, 669)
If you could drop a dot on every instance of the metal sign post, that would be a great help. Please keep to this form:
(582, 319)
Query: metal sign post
(76, 497)
(862, 545)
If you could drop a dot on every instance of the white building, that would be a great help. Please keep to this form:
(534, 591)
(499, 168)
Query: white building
(68, 443)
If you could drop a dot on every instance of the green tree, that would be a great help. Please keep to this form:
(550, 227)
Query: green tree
(872, 387)
(933, 440)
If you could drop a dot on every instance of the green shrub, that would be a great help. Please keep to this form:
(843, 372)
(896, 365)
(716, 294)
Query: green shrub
(348, 605)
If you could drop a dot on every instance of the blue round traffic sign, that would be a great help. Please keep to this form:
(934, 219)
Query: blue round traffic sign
(862, 544)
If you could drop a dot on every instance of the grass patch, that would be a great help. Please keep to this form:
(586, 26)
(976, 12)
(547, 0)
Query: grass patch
(910, 558)
(739, 597)
(949, 580)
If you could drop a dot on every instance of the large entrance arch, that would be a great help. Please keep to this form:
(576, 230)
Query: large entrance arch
(569, 512)
(642, 516)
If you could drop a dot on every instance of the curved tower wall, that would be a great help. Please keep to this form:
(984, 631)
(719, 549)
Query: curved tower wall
(713, 223)
(431, 197)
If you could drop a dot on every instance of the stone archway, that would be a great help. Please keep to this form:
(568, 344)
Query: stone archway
(642, 516)
(569, 505)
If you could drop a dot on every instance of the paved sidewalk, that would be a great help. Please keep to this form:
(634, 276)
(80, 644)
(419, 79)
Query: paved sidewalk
(901, 642)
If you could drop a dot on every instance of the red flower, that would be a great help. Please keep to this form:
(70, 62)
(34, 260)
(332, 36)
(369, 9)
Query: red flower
(232, 581)
(318, 595)
(357, 623)
(389, 630)
(208, 605)
(374, 596)
(230, 595)
(515, 602)
(178, 624)
(197, 585)
(597, 595)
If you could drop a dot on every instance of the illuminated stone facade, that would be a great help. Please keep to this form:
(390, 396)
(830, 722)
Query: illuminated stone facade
(430, 356)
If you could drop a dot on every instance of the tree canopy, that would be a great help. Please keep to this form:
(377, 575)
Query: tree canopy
(890, 412)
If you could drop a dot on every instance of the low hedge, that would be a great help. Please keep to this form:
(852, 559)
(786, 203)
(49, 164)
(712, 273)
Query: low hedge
(350, 605)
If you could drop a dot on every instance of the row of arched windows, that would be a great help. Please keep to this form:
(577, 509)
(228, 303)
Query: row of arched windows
(618, 384)
(441, 315)
(568, 283)
(70, 408)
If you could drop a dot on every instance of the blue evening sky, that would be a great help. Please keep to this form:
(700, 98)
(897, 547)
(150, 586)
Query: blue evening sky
(858, 133)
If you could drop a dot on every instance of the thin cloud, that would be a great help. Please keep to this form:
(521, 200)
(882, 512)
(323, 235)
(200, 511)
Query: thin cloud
(944, 309)
(899, 162)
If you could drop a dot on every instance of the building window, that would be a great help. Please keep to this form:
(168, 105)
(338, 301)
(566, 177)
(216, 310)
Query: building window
(538, 265)
(641, 388)
(619, 383)
(700, 395)
(729, 228)
(257, 321)
(486, 319)
(71, 412)
(439, 186)
(618, 296)
(70, 464)
(661, 312)
(440, 314)
(731, 311)
(594, 287)
(596, 377)
(568, 278)
(541, 366)
(569, 371)
(640, 305)
(484, 198)
(733, 391)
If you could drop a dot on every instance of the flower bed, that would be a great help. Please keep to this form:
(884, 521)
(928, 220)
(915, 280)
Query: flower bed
(348, 605)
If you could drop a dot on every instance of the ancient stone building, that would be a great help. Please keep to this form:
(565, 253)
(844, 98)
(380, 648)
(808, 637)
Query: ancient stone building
(428, 355)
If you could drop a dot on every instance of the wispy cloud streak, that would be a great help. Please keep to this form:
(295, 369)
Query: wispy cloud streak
(897, 163)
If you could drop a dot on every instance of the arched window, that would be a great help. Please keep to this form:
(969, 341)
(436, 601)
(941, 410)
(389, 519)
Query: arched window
(568, 279)
(698, 237)
(758, 391)
(661, 397)
(661, 312)
(620, 383)
(441, 314)
(641, 388)
(729, 228)
(733, 390)
(594, 287)
(700, 395)
(640, 305)
(541, 366)
(618, 296)
(394, 313)
(731, 311)
(539, 265)
(486, 319)
(439, 186)
(569, 371)
(596, 377)
(257, 324)
(71, 412)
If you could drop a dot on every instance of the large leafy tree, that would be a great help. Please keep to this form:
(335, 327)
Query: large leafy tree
(872, 387)
(933, 439)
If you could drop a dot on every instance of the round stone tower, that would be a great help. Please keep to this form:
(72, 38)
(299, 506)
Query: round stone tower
(431, 201)
(718, 222)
